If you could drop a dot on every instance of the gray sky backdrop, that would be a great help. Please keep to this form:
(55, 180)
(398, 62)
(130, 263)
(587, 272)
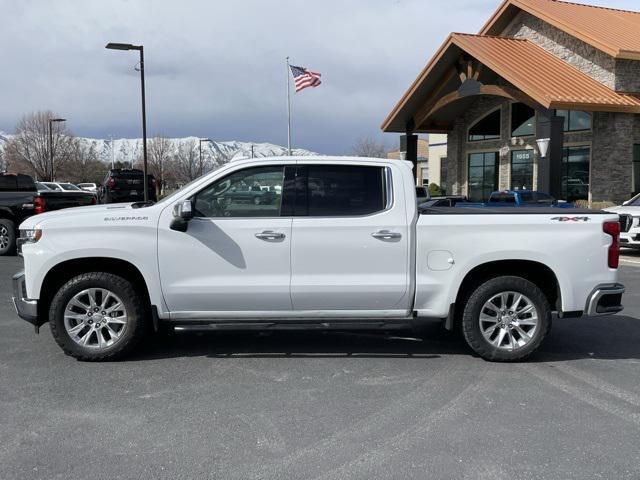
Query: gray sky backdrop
(216, 68)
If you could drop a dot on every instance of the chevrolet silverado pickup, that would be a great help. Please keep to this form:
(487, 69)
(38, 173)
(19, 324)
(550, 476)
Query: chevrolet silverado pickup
(342, 245)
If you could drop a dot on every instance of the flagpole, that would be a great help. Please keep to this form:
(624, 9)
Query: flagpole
(288, 109)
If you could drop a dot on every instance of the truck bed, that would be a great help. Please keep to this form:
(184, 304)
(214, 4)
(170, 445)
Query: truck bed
(509, 211)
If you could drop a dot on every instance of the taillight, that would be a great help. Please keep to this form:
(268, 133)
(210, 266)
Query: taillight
(39, 205)
(93, 200)
(613, 229)
(111, 182)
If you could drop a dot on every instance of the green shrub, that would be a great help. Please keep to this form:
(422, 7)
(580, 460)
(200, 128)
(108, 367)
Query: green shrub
(435, 190)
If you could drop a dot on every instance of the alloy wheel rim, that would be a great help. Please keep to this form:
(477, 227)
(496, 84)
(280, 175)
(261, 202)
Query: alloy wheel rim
(509, 320)
(95, 318)
(4, 237)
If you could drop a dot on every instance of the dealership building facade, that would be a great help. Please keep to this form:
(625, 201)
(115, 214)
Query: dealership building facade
(545, 97)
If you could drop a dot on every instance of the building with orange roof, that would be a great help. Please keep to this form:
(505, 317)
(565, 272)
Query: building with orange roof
(546, 97)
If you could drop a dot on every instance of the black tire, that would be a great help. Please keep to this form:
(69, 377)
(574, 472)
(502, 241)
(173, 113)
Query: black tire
(132, 300)
(482, 294)
(8, 233)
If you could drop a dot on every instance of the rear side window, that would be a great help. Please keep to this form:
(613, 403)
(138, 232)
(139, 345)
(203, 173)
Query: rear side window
(342, 191)
(8, 183)
(26, 183)
(503, 198)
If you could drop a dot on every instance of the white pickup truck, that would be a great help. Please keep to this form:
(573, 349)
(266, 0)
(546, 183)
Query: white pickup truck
(331, 243)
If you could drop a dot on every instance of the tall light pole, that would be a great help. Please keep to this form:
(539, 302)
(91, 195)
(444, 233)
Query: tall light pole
(140, 48)
(202, 140)
(51, 120)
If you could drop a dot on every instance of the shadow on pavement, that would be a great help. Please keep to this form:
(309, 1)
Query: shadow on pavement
(613, 337)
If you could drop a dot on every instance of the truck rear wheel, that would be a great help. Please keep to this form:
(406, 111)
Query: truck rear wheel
(7, 236)
(506, 319)
(97, 316)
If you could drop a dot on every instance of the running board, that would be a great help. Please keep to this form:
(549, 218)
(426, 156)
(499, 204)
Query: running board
(212, 325)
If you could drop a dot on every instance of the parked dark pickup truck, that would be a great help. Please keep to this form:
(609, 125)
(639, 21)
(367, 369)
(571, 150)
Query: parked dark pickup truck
(20, 199)
(126, 185)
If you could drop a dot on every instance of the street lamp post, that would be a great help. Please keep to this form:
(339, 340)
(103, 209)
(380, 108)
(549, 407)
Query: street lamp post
(51, 120)
(201, 164)
(140, 48)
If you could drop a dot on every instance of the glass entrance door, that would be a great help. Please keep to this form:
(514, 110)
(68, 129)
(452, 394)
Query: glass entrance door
(483, 175)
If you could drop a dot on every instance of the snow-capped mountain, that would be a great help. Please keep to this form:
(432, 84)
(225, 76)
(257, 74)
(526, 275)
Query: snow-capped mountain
(128, 150)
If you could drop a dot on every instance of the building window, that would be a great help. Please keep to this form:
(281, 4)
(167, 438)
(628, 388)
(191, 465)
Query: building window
(575, 173)
(522, 120)
(575, 120)
(444, 169)
(425, 176)
(636, 168)
(522, 170)
(483, 175)
(488, 128)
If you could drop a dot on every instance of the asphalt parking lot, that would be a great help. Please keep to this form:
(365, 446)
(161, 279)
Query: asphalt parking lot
(324, 405)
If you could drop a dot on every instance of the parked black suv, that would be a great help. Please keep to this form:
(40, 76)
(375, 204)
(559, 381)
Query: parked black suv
(125, 185)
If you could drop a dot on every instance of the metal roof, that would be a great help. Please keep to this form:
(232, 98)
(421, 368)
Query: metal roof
(545, 78)
(615, 32)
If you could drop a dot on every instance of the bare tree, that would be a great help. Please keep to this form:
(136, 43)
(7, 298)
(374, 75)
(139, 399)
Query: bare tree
(369, 147)
(187, 161)
(160, 152)
(30, 145)
(84, 164)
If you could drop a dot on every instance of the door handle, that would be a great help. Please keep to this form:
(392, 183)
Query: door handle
(386, 234)
(270, 235)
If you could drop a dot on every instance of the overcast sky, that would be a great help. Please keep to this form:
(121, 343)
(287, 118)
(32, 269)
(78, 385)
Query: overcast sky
(215, 68)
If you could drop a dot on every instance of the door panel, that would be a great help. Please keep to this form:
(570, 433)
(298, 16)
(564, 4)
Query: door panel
(235, 254)
(220, 265)
(357, 262)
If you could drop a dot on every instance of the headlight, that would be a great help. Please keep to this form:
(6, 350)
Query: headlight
(30, 236)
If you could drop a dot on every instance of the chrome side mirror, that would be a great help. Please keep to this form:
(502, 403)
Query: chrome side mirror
(183, 210)
(182, 214)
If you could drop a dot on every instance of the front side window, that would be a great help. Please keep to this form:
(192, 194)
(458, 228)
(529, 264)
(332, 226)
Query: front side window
(488, 128)
(522, 170)
(522, 120)
(343, 190)
(575, 173)
(252, 192)
(575, 120)
(483, 175)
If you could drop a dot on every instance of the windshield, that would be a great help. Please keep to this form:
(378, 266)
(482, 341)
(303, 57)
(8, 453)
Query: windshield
(635, 201)
(69, 186)
(41, 186)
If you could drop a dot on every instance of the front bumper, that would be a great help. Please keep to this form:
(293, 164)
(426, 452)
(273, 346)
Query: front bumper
(25, 308)
(605, 300)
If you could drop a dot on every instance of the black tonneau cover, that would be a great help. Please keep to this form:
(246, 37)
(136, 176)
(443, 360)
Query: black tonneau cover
(560, 212)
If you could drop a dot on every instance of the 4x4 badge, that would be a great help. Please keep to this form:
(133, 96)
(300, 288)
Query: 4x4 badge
(571, 219)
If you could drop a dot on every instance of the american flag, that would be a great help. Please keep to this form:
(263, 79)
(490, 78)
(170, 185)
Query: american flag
(304, 78)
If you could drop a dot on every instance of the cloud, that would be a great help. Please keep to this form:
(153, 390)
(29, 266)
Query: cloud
(216, 68)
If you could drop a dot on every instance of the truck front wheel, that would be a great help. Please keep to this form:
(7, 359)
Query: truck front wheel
(97, 316)
(506, 319)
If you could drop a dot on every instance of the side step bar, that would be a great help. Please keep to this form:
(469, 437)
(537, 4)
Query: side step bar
(218, 325)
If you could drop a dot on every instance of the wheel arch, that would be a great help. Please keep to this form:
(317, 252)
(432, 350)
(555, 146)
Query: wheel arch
(537, 273)
(66, 270)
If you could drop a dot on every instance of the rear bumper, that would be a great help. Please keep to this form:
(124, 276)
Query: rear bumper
(25, 308)
(605, 300)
